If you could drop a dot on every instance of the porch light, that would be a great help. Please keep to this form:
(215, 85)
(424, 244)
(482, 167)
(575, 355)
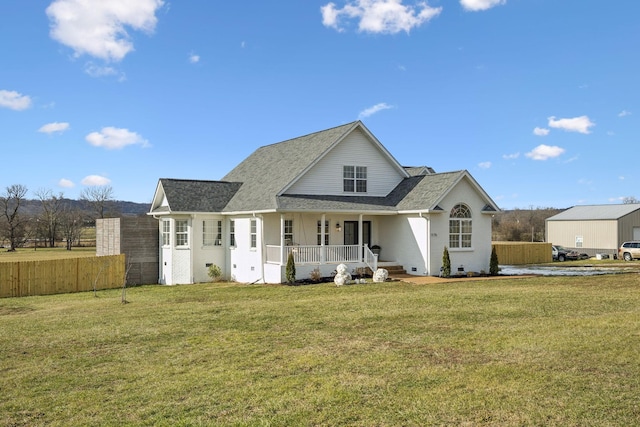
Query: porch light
(338, 226)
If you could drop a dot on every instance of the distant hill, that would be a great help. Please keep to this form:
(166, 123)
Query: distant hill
(116, 208)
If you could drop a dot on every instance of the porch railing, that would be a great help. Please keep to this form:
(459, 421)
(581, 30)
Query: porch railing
(330, 254)
(370, 258)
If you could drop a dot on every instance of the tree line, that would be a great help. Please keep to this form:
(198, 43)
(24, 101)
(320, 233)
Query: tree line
(528, 225)
(54, 218)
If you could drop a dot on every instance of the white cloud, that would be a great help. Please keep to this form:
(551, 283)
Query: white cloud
(194, 59)
(541, 131)
(66, 183)
(511, 156)
(576, 124)
(95, 70)
(14, 100)
(98, 27)
(476, 5)
(373, 110)
(115, 138)
(624, 113)
(95, 180)
(379, 16)
(484, 165)
(545, 152)
(54, 127)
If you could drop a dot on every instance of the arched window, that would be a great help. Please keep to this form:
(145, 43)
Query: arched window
(460, 226)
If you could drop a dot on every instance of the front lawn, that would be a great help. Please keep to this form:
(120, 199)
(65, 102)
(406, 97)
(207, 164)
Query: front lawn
(534, 351)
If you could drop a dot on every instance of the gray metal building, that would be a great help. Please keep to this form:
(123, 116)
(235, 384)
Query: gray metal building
(594, 229)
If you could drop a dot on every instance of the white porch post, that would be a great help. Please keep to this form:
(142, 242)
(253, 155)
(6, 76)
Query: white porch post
(281, 239)
(360, 234)
(322, 237)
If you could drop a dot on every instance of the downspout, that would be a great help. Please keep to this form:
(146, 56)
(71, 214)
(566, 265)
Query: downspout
(427, 255)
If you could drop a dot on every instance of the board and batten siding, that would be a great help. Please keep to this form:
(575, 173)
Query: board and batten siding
(600, 234)
(325, 178)
(626, 227)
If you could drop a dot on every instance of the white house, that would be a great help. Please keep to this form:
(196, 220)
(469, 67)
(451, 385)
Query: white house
(328, 198)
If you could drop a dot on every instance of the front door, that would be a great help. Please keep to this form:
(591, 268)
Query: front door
(351, 232)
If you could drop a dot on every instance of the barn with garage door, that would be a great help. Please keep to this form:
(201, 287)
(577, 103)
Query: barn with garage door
(595, 229)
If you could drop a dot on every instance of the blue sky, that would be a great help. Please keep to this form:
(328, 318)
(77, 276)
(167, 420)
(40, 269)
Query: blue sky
(538, 99)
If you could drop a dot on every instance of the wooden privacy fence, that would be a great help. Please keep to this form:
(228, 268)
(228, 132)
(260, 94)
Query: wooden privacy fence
(28, 278)
(517, 253)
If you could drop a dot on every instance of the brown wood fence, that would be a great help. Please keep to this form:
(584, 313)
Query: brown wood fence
(46, 277)
(518, 253)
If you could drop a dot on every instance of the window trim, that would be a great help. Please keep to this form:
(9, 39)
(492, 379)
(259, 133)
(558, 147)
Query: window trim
(232, 233)
(253, 233)
(165, 233)
(288, 232)
(354, 179)
(182, 234)
(461, 228)
(212, 237)
(319, 232)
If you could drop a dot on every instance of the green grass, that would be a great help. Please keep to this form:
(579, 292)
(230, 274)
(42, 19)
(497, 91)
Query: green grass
(39, 254)
(533, 351)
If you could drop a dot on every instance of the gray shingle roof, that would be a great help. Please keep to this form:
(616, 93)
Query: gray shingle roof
(415, 193)
(595, 212)
(197, 196)
(429, 190)
(271, 168)
(255, 183)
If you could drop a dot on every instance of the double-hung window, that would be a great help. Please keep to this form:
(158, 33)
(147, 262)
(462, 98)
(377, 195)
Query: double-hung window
(253, 233)
(166, 232)
(354, 179)
(460, 226)
(326, 233)
(211, 232)
(232, 233)
(288, 232)
(182, 232)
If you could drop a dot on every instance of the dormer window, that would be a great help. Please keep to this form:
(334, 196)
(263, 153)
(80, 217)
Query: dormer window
(354, 179)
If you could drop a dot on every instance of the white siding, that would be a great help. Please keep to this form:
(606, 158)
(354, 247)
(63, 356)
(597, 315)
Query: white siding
(478, 256)
(203, 255)
(325, 178)
(245, 263)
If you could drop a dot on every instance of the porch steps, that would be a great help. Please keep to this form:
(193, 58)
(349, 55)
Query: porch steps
(393, 269)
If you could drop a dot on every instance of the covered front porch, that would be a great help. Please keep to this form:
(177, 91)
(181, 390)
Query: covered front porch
(318, 242)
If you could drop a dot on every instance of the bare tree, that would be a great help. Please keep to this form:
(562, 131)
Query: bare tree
(630, 200)
(100, 198)
(14, 224)
(49, 220)
(71, 225)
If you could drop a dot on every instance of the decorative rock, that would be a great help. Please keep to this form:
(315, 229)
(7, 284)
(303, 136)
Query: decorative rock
(342, 275)
(380, 275)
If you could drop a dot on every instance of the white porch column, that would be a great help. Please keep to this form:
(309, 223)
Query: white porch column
(322, 237)
(281, 239)
(360, 234)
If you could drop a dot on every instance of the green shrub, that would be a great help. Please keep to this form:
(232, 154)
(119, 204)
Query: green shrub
(214, 272)
(290, 271)
(446, 263)
(493, 263)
